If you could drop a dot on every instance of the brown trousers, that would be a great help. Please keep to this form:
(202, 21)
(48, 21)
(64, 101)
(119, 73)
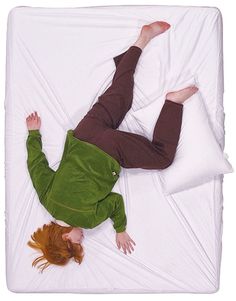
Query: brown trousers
(99, 125)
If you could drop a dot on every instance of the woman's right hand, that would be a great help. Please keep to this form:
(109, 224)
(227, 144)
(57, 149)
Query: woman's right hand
(33, 121)
(124, 240)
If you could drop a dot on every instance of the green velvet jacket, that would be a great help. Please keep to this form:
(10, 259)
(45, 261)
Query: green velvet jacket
(79, 191)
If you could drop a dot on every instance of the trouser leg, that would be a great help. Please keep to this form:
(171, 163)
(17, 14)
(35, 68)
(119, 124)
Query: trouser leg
(116, 101)
(118, 58)
(135, 151)
(113, 104)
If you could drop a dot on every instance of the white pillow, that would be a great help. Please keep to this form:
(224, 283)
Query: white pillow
(198, 155)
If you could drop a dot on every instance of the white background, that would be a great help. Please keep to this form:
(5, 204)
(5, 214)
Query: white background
(228, 265)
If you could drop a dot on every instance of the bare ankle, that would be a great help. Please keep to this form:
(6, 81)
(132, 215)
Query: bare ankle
(142, 41)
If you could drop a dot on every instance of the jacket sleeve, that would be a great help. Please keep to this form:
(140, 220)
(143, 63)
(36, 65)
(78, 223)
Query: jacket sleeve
(112, 206)
(40, 172)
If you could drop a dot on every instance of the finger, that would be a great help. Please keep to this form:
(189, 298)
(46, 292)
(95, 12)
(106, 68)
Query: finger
(131, 246)
(124, 249)
(133, 242)
(36, 115)
(128, 248)
(118, 245)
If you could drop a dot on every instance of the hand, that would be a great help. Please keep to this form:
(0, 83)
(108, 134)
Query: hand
(33, 121)
(123, 240)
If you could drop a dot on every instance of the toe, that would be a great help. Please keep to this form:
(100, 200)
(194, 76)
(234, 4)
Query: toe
(164, 24)
(194, 88)
(167, 25)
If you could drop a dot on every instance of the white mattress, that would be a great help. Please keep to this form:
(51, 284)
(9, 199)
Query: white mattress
(58, 61)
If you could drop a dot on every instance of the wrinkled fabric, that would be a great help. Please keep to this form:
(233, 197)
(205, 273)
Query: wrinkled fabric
(58, 61)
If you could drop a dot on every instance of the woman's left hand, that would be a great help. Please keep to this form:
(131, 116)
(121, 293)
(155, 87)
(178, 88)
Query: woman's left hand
(124, 240)
(33, 121)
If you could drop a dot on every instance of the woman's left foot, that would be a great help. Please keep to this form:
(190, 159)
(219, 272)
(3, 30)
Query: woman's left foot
(182, 95)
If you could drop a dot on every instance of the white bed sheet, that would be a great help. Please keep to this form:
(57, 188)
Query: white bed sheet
(58, 61)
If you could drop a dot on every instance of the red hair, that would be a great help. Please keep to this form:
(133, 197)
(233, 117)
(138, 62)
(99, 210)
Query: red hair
(48, 240)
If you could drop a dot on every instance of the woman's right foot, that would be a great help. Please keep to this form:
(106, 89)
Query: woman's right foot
(181, 95)
(154, 29)
(148, 32)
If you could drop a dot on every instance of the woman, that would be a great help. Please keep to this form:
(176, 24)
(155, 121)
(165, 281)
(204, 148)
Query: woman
(79, 193)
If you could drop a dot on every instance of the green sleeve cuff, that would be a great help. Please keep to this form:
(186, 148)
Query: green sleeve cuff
(34, 132)
(120, 229)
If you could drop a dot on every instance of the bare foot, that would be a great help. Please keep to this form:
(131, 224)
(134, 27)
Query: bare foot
(153, 29)
(150, 31)
(181, 95)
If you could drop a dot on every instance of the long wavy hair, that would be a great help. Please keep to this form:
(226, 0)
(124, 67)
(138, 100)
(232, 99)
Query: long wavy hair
(48, 240)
